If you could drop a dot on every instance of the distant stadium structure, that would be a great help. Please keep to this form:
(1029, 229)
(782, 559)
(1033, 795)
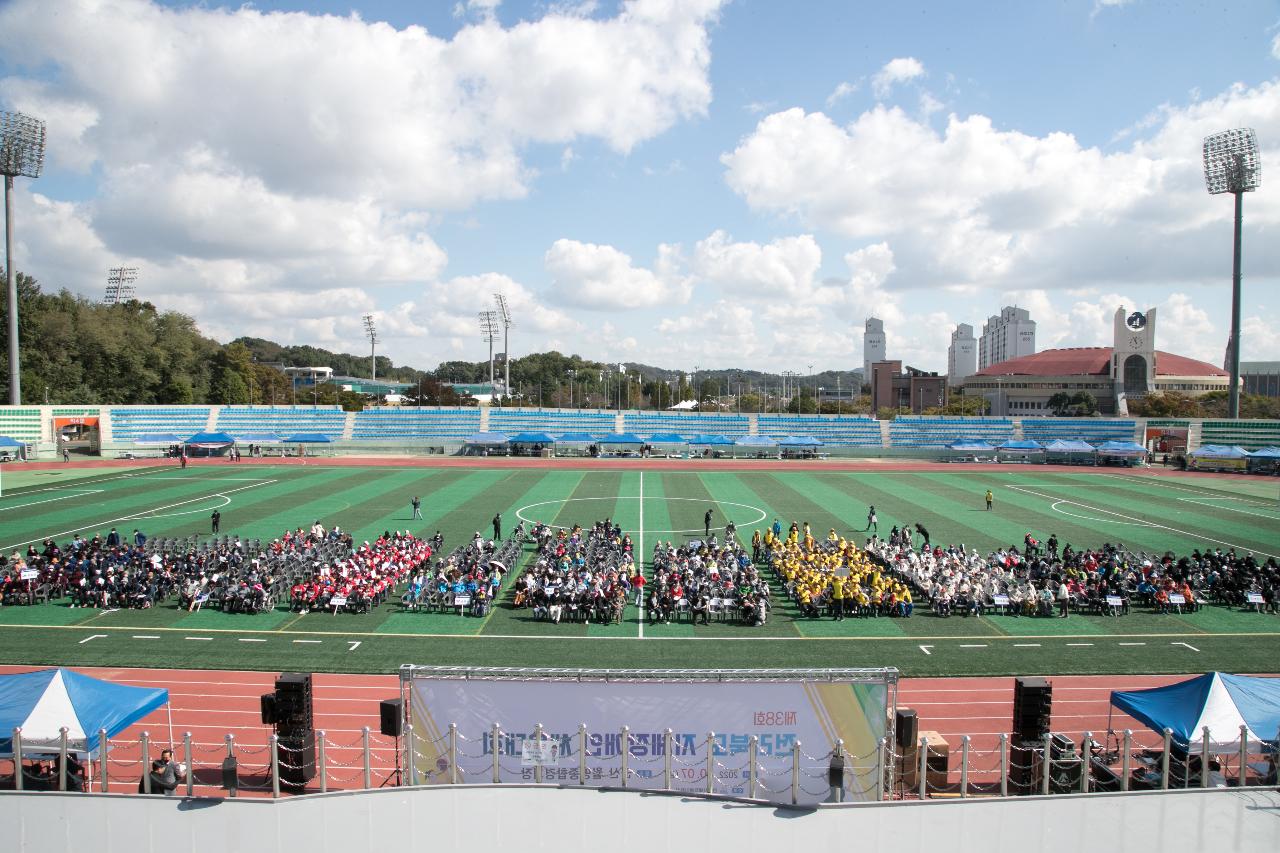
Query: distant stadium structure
(1127, 370)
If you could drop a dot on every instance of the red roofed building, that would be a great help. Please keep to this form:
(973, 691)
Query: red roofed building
(1021, 387)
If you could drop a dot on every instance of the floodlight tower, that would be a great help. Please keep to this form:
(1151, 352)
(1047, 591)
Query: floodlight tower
(21, 153)
(504, 317)
(120, 284)
(1231, 165)
(489, 334)
(371, 332)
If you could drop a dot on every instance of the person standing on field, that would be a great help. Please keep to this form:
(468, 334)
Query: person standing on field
(990, 498)
(416, 503)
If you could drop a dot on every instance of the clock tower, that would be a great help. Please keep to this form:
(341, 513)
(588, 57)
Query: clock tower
(1133, 358)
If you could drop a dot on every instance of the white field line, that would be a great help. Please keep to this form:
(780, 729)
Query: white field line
(640, 555)
(1133, 520)
(206, 479)
(1194, 490)
(136, 515)
(1231, 508)
(78, 494)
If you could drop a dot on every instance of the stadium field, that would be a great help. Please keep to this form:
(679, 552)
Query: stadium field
(1085, 508)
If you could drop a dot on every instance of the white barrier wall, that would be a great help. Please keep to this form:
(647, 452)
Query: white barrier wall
(483, 818)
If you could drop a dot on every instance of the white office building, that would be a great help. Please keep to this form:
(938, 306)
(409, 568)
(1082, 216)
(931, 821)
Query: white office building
(1012, 334)
(873, 346)
(962, 355)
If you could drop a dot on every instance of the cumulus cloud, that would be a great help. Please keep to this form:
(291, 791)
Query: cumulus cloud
(784, 268)
(842, 91)
(973, 204)
(602, 277)
(238, 151)
(900, 70)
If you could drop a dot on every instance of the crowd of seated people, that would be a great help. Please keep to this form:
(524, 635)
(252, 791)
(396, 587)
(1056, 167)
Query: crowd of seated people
(832, 576)
(104, 571)
(358, 578)
(707, 578)
(1040, 580)
(578, 575)
(468, 579)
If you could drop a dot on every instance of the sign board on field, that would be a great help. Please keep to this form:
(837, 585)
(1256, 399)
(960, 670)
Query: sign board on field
(461, 600)
(1255, 598)
(1000, 600)
(30, 574)
(338, 601)
(778, 708)
(1177, 598)
(1115, 601)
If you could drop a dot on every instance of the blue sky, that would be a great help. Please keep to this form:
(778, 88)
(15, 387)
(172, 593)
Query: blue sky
(728, 184)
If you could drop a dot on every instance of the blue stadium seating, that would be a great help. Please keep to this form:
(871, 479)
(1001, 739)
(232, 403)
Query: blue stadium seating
(693, 423)
(182, 421)
(922, 431)
(554, 421)
(282, 420)
(832, 430)
(1078, 429)
(415, 424)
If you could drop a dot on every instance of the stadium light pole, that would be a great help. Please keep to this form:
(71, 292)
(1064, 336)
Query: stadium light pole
(371, 332)
(504, 316)
(489, 334)
(21, 154)
(1231, 165)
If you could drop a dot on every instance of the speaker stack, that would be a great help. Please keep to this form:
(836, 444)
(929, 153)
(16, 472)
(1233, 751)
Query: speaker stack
(1032, 704)
(906, 727)
(391, 717)
(1028, 763)
(291, 711)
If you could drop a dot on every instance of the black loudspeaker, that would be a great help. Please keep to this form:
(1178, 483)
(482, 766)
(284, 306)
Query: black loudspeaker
(293, 701)
(907, 727)
(391, 713)
(1027, 767)
(296, 752)
(230, 773)
(1032, 707)
(268, 703)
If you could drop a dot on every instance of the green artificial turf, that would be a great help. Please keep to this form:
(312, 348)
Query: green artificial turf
(1085, 509)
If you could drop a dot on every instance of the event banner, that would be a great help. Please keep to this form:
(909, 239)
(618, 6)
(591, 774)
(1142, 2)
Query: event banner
(778, 713)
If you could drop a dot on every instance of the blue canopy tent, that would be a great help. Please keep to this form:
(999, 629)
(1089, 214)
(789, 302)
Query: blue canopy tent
(1219, 451)
(6, 441)
(621, 438)
(259, 437)
(41, 703)
(969, 445)
(710, 440)
(486, 438)
(667, 438)
(1021, 445)
(1121, 448)
(1264, 460)
(532, 438)
(1069, 450)
(308, 438)
(1216, 700)
(1266, 453)
(151, 438)
(210, 440)
(576, 438)
(755, 441)
(799, 441)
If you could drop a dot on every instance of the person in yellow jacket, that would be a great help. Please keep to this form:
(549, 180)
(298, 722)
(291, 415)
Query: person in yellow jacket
(837, 598)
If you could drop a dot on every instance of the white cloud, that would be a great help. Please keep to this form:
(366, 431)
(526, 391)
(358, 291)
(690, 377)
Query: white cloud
(842, 91)
(973, 205)
(1260, 340)
(1099, 5)
(785, 268)
(900, 70)
(601, 277)
(1275, 46)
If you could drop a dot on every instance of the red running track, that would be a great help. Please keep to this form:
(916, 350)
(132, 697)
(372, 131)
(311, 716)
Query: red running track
(211, 704)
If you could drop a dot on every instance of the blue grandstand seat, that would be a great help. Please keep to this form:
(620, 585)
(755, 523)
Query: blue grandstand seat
(182, 421)
(282, 420)
(414, 424)
(687, 423)
(925, 431)
(1094, 431)
(554, 421)
(833, 430)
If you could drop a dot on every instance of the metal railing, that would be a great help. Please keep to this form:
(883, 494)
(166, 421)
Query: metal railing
(780, 772)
